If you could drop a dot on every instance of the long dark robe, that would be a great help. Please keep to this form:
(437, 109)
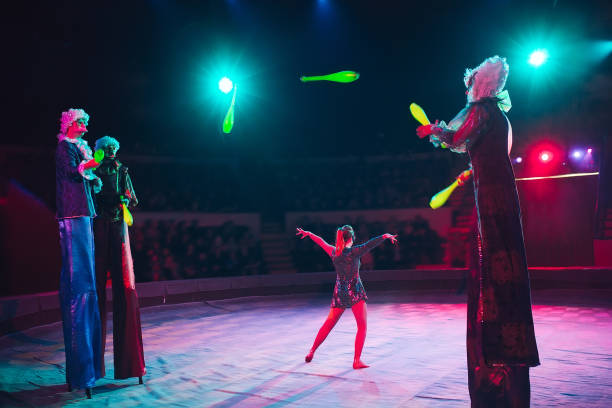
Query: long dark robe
(501, 343)
(113, 254)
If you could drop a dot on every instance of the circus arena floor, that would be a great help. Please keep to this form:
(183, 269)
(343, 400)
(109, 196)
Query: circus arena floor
(249, 352)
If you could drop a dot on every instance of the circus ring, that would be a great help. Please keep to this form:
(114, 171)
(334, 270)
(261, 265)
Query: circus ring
(241, 342)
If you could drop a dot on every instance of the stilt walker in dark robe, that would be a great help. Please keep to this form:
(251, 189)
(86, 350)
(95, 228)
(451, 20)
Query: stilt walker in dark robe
(113, 254)
(75, 182)
(501, 343)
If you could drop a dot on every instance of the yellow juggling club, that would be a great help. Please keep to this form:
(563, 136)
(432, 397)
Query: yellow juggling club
(419, 114)
(421, 117)
(440, 199)
(127, 216)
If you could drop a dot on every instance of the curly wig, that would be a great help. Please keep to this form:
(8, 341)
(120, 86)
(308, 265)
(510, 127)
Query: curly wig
(486, 80)
(69, 117)
(104, 142)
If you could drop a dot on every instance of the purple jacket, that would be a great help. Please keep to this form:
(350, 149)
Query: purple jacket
(73, 193)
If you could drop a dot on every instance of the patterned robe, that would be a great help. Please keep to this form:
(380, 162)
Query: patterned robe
(501, 341)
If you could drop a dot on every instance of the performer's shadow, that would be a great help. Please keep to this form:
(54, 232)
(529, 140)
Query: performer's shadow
(103, 389)
(48, 395)
(42, 396)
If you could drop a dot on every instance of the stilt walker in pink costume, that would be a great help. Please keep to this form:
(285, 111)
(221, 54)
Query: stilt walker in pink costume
(74, 184)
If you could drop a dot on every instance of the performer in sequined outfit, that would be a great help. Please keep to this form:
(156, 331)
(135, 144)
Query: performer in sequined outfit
(113, 254)
(74, 183)
(501, 344)
(349, 291)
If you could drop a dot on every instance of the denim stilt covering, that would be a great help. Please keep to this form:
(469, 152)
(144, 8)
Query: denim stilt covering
(79, 302)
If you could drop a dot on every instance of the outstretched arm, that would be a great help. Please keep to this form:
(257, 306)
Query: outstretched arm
(317, 240)
(471, 128)
(362, 249)
(473, 124)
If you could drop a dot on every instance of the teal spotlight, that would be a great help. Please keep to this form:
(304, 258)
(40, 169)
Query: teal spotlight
(538, 57)
(225, 85)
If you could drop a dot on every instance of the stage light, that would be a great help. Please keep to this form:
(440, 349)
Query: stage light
(545, 156)
(538, 57)
(589, 150)
(518, 159)
(577, 154)
(225, 85)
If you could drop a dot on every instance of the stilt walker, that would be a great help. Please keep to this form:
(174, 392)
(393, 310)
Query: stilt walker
(75, 183)
(113, 254)
(501, 344)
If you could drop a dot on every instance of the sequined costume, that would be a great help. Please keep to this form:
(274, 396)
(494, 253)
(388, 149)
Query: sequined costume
(349, 289)
(77, 291)
(501, 343)
(113, 255)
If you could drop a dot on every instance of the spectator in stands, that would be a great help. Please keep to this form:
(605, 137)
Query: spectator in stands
(179, 250)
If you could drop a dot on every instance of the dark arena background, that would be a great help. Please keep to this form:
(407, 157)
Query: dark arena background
(232, 143)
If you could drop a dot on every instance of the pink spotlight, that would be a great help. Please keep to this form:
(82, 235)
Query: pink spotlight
(545, 156)
(589, 150)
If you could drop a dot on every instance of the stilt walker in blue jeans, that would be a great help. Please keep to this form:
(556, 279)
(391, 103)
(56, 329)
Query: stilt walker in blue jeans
(75, 183)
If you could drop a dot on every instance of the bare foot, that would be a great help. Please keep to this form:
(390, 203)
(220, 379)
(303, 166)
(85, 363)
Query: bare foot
(359, 364)
(309, 356)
